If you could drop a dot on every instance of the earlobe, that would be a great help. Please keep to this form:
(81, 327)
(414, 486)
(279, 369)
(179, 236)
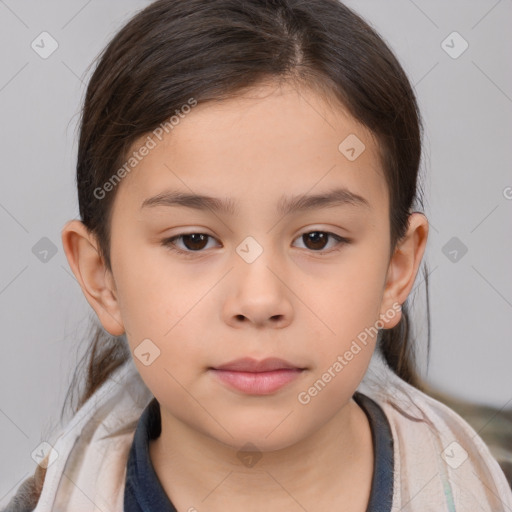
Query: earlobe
(403, 267)
(96, 281)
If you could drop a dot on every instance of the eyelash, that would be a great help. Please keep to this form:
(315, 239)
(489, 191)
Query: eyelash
(169, 243)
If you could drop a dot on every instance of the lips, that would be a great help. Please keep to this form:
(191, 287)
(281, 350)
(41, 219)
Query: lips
(248, 364)
(253, 377)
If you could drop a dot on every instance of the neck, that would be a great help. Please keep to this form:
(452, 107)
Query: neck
(333, 463)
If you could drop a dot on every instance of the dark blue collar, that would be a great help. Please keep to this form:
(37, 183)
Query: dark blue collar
(144, 492)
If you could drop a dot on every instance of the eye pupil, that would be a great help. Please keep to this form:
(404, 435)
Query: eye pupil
(315, 237)
(196, 237)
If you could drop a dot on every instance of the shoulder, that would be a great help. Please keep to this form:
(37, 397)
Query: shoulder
(440, 454)
(90, 450)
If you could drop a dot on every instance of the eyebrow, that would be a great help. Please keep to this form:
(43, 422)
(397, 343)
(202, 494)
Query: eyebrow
(286, 205)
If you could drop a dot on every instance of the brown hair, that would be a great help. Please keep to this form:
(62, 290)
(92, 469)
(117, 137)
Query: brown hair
(212, 50)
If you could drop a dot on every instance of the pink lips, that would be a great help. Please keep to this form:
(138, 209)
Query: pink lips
(257, 377)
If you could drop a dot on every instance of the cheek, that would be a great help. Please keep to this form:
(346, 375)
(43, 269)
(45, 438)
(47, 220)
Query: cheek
(349, 306)
(354, 309)
(351, 299)
(163, 312)
(166, 339)
(342, 357)
(152, 295)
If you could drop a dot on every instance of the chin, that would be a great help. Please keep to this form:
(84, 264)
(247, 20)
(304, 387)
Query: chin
(259, 439)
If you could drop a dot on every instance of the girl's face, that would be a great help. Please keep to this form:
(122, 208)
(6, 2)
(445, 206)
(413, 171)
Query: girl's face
(255, 286)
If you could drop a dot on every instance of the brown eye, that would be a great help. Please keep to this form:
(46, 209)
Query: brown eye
(192, 242)
(195, 241)
(316, 241)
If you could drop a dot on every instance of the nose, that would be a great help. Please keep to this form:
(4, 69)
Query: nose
(259, 293)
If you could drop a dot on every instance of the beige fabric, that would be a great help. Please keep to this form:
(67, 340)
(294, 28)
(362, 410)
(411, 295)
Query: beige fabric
(90, 470)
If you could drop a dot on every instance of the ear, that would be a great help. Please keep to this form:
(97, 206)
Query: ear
(403, 268)
(97, 283)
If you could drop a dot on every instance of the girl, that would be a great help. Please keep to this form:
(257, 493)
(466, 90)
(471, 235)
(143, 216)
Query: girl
(247, 184)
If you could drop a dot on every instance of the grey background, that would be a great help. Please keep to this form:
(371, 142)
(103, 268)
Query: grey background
(466, 103)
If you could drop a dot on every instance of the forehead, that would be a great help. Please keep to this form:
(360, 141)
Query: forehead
(255, 148)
